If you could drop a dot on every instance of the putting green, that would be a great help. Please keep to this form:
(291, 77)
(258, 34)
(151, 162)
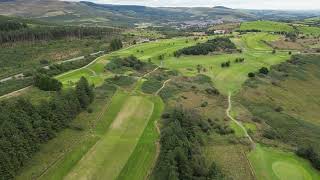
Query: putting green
(272, 164)
(287, 171)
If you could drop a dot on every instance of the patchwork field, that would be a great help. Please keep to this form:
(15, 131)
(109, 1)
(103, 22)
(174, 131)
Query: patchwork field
(273, 164)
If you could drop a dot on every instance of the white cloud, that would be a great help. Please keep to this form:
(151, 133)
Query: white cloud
(243, 4)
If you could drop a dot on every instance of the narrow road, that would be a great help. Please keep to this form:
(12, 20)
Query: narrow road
(234, 120)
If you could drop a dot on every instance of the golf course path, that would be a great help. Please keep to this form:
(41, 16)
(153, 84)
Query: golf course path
(234, 120)
(164, 85)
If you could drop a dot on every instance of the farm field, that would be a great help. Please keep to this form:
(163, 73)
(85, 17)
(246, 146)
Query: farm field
(274, 164)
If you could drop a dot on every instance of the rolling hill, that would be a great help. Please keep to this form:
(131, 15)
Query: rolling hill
(88, 13)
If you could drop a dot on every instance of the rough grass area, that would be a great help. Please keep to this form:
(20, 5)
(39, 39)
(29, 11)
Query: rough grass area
(270, 163)
(287, 100)
(122, 81)
(151, 86)
(230, 157)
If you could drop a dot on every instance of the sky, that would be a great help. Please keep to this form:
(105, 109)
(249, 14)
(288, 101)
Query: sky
(239, 4)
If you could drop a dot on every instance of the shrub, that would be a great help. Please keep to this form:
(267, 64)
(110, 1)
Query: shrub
(263, 70)
(212, 91)
(251, 75)
(204, 104)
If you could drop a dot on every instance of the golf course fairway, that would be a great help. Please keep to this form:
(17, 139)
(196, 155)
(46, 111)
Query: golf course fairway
(110, 154)
(272, 164)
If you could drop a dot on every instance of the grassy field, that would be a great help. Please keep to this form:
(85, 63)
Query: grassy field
(273, 164)
(266, 26)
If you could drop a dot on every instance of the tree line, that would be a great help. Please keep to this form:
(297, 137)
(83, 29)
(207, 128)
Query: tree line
(217, 44)
(46, 33)
(181, 140)
(11, 25)
(24, 126)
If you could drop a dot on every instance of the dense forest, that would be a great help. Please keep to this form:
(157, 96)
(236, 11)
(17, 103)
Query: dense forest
(25, 126)
(217, 44)
(181, 140)
(45, 33)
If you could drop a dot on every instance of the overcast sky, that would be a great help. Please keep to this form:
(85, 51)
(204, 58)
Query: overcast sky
(243, 4)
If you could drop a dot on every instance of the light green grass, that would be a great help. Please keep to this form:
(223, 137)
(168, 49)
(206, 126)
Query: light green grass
(272, 164)
(268, 26)
(110, 154)
(143, 157)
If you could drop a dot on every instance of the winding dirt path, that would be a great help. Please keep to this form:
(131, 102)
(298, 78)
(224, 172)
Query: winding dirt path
(164, 85)
(234, 120)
